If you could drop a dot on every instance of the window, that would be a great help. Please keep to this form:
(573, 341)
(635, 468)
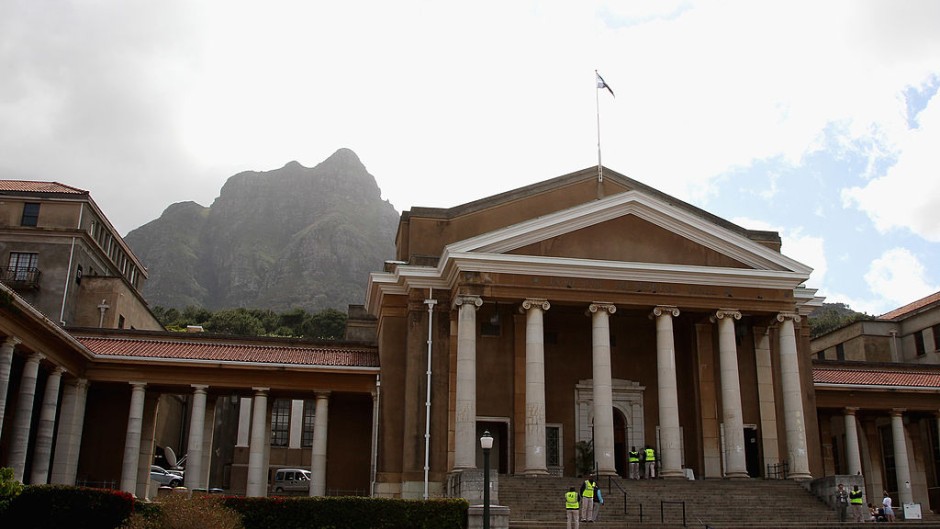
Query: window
(553, 446)
(919, 343)
(936, 337)
(23, 265)
(310, 413)
(120, 321)
(280, 422)
(30, 214)
(840, 352)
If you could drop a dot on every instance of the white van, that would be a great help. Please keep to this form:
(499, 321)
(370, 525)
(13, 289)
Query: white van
(291, 480)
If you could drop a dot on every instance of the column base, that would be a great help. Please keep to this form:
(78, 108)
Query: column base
(737, 475)
(535, 472)
(800, 477)
(672, 474)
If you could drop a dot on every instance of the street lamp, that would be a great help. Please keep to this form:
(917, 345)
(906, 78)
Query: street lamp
(486, 443)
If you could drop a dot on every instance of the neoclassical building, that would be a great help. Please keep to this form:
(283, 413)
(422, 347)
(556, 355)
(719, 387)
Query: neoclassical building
(590, 308)
(877, 386)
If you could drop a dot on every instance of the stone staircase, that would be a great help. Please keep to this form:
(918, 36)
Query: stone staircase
(719, 504)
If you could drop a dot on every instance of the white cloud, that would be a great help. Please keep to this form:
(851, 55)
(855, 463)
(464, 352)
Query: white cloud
(894, 279)
(905, 197)
(807, 249)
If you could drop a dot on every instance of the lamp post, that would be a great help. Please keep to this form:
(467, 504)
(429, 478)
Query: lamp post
(486, 443)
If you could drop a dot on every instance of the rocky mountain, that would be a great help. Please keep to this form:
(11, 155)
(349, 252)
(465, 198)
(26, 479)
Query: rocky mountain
(292, 237)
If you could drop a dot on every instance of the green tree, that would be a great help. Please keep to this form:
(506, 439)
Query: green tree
(235, 321)
(832, 316)
(328, 324)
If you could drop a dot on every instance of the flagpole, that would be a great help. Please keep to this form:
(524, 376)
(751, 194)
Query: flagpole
(597, 104)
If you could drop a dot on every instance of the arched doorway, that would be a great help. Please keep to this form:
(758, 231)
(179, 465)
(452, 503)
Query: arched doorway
(620, 443)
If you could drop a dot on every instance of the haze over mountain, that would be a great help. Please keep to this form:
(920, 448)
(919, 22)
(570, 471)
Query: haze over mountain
(292, 237)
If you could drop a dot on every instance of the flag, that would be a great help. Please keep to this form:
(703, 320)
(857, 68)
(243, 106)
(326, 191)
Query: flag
(602, 84)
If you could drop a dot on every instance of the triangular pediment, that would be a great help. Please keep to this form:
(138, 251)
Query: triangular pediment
(631, 227)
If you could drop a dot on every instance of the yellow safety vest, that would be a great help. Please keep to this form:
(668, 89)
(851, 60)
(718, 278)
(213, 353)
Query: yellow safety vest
(588, 489)
(634, 457)
(571, 500)
(855, 497)
(650, 455)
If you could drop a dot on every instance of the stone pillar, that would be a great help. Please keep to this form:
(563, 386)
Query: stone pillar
(69, 438)
(792, 398)
(318, 450)
(902, 465)
(42, 454)
(465, 438)
(535, 387)
(23, 419)
(197, 426)
(208, 436)
(765, 390)
(603, 388)
(6, 364)
(148, 426)
(853, 455)
(244, 421)
(731, 414)
(135, 419)
(257, 474)
(669, 432)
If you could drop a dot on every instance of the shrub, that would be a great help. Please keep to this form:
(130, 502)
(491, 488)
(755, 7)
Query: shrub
(180, 512)
(9, 489)
(349, 513)
(57, 506)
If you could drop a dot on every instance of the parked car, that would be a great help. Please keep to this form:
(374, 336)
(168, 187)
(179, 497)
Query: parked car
(165, 477)
(291, 480)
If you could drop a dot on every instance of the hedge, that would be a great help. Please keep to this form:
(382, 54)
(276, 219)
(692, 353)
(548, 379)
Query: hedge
(349, 513)
(59, 506)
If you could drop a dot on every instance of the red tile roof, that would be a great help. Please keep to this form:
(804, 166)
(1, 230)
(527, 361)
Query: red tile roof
(877, 377)
(301, 355)
(910, 307)
(39, 187)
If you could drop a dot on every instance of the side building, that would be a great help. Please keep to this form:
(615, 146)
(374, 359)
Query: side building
(877, 388)
(60, 253)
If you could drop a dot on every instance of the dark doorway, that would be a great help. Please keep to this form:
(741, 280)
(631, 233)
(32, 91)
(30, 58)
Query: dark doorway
(499, 455)
(752, 452)
(620, 443)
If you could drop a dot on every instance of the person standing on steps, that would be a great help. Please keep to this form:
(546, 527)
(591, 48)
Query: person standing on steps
(650, 462)
(886, 503)
(587, 498)
(572, 507)
(855, 499)
(634, 459)
(842, 502)
(598, 501)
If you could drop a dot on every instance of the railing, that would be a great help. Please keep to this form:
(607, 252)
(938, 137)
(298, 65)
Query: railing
(20, 278)
(662, 511)
(610, 484)
(778, 470)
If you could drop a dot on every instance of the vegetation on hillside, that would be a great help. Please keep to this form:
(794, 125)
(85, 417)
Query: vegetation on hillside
(832, 316)
(328, 324)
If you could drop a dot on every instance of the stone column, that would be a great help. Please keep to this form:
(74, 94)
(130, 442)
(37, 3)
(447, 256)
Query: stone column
(23, 419)
(731, 414)
(765, 390)
(603, 388)
(244, 421)
(902, 465)
(792, 398)
(42, 451)
(465, 438)
(197, 426)
(257, 474)
(69, 438)
(318, 450)
(208, 437)
(853, 455)
(135, 419)
(535, 387)
(6, 364)
(148, 426)
(669, 432)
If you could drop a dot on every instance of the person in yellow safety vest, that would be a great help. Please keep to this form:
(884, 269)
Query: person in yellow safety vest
(634, 459)
(650, 462)
(587, 498)
(572, 507)
(855, 498)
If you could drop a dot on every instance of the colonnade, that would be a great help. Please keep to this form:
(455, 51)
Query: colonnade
(55, 459)
(670, 433)
(902, 464)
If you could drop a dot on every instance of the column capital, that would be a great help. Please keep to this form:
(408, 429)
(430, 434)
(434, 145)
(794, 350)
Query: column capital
(784, 316)
(35, 358)
(850, 410)
(260, 392)
(537, 303)
(667, 310)
(57, 370)
(602, 305)
(137, 385)
(81, 383)
(199, 388)
(727, 313)
(466, 299)
(898, 412)
(323, 394)
(12, 341)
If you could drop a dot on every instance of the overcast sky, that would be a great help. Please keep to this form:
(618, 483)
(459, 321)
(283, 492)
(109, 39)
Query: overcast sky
(817, 119)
